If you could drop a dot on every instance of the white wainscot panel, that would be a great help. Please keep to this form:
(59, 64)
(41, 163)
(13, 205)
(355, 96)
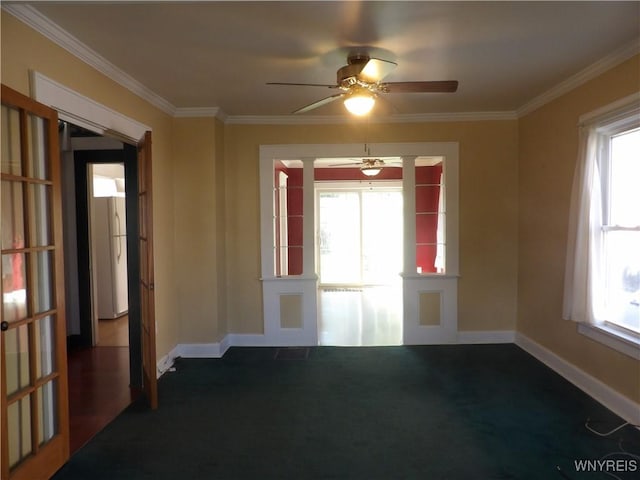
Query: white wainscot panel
(420, 328)
(272, 291)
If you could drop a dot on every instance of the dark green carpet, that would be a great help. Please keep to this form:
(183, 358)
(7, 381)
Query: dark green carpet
(433, 412)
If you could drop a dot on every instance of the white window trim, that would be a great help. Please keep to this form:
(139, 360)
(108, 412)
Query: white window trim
(616, 117)
(612, 337)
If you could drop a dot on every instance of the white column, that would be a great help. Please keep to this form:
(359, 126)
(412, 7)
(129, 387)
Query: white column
(409, 205)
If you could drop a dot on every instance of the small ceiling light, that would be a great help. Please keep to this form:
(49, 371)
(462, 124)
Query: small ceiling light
(360, 102)
(370, 171)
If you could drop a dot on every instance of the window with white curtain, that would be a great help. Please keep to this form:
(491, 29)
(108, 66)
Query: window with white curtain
(602, 283)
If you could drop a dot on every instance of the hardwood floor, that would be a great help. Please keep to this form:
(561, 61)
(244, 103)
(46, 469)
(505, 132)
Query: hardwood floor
(367, 316)
(98, 390)
(114, 332)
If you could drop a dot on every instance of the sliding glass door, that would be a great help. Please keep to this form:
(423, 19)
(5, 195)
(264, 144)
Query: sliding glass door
(360, 235)
(359, 261)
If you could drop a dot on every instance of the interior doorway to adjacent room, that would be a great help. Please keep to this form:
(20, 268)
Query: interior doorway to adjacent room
(100, 257)
(359, 259)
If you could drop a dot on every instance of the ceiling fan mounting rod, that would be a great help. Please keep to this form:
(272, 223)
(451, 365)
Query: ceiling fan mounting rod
(358, 58)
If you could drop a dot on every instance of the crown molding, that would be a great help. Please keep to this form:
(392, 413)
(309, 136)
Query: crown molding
(614, 59)
(193, 112)
(60, 37)
(338, 119)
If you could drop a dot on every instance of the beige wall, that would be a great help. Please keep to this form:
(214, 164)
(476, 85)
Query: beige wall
(548, 143)
(22, 50)
(222, 237)
(199, 187)
(195, 228)
(488, 211)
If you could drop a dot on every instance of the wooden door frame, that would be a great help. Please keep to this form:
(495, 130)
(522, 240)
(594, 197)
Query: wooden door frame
(76, 108)
(127, 156)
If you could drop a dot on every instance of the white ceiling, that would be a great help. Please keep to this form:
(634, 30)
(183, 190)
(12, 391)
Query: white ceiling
(221, 54)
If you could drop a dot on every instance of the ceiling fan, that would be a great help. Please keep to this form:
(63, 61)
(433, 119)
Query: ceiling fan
(371, 166)
(360, 82)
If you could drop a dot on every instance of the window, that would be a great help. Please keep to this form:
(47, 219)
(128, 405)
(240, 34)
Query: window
(620, 166)
(602, 283)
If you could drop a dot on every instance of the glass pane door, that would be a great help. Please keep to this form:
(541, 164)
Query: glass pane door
(381, 237)
(360, 261)
(33, 396)
(360, 236)
(339, 242)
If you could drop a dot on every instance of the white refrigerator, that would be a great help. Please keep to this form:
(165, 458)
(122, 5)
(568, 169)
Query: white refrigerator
(111, 256)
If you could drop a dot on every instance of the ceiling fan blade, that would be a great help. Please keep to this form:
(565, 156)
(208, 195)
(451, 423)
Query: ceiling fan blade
(319, 103)
(444, 86)
(345, 164)
(376, 69)
(303, 84)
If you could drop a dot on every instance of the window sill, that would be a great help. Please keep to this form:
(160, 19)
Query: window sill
(612, 337)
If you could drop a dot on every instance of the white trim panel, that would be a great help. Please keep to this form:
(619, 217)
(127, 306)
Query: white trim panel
(275, 334)
(166, 362)
(83, 111)
(203, 350)
(247, 340)
(195, 112)
(478, 337)
(413, 332)
(614, 401)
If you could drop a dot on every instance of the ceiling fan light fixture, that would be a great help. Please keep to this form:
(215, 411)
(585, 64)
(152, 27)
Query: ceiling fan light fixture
(370, 171)
(360, 102)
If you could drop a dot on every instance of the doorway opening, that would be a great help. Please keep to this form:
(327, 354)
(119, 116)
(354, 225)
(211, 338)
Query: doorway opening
(428, 173)
(99, 208)
(108, 245)
(359, 256)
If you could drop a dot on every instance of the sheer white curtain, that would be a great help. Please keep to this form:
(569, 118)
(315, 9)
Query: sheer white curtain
(583, 292)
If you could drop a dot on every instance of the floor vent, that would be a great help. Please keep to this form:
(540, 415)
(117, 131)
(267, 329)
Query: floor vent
(342, 290)
(292, 353)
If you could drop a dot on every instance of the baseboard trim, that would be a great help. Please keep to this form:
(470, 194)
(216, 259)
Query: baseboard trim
(166, 362)
(486, 336)
(203, 350)
(614, 401)
(247, 340)
(192, 350)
